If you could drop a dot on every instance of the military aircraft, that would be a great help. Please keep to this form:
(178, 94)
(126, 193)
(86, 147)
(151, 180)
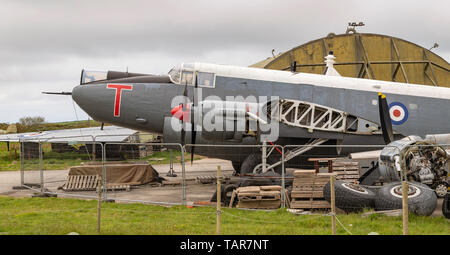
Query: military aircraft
(303, 109)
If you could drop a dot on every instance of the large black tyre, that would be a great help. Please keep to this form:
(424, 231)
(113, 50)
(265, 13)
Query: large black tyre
(236, 166)
(446, 206)
(350, 197)
(255, 159)
(227, 193)
(265, 179)
(421, 199)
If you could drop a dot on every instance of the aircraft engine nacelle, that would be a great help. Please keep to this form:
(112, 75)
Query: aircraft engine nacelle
(424, 161)
(222, 125)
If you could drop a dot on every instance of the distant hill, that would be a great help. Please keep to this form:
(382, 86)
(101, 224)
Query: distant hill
(54, 126)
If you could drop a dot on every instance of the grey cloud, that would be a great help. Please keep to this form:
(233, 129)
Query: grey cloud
(47, 43)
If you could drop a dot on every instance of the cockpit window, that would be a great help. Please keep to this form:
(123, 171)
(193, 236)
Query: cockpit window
(175, 74)
(205, 79)
(91, 76)
(186, 74)
(187, 77)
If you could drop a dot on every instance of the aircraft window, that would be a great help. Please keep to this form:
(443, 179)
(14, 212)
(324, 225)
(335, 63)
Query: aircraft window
(206, 79)
(91, 76)
(174, 74)
(188, 66)
(187, 77)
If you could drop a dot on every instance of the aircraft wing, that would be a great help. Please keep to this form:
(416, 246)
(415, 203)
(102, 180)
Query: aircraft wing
(365, 155)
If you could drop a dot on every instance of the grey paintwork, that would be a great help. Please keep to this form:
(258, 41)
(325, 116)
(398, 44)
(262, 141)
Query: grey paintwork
(152, 102)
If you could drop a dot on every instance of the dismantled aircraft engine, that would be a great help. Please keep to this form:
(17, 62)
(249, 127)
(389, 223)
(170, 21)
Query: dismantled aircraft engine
(423, 160)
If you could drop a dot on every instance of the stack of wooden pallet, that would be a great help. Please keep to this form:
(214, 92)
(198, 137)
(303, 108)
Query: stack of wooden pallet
(258, 197)
(307, 190)
(347, 171)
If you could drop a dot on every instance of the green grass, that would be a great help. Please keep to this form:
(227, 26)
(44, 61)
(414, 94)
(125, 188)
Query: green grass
(61, 216)
(163, 157)
(10, 160)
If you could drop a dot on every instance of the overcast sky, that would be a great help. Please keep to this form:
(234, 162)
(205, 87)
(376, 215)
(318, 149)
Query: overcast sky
(45, 44)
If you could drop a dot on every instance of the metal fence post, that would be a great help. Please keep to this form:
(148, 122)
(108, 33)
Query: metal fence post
(183, 181)
(22, 164)
(405, 206)
(103, 177)
(333, 206)
(283, 191)
(219, 194)
(404, 195)
(41, 170)
(99, 202)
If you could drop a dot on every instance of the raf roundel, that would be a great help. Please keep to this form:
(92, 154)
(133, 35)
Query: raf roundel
(398, 113)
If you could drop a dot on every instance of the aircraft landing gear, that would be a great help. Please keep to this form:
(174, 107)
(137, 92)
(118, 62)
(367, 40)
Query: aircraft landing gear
(253, 164)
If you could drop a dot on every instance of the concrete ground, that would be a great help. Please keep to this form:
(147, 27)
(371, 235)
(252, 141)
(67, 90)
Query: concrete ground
(145, 193)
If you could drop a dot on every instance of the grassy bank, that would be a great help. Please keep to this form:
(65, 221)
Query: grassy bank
(61, 216)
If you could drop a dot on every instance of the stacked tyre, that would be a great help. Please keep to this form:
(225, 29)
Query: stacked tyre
(354, 198)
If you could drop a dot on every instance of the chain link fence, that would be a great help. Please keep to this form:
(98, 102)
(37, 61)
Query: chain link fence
(308, 181)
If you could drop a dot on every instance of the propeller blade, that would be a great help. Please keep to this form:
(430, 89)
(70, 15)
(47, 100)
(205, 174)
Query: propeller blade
(183, 108)
(194, 132)
(183, 134)
(385, 119)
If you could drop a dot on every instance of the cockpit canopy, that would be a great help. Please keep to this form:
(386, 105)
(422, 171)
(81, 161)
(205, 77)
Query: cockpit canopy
(189, 73)
(91, 76)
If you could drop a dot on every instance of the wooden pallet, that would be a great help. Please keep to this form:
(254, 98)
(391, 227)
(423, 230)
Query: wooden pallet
(208, 179)
(118, 186)
(90, 183)
(81, 183)
(346, 170)
(257, 197)
(275, 204)
(307, 190)
(171, 183)
(310, 204)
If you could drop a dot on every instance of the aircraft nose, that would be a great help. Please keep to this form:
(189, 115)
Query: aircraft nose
(78, 94)
(89, 98)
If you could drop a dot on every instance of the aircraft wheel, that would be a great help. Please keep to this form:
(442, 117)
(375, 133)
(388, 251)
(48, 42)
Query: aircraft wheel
(253, 164)
(421, 199)
(446, 206)
(350, 197)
